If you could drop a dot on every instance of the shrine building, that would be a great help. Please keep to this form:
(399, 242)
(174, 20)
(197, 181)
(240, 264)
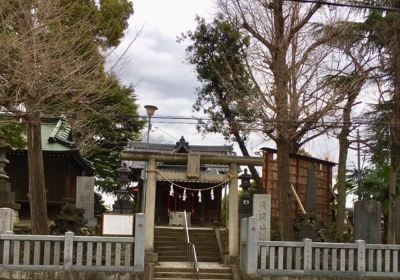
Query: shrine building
(187, 177)
(201, 197)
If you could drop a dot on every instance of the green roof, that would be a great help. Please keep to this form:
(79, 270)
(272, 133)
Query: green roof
(56, 136)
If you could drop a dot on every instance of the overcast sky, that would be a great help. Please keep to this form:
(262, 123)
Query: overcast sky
(153, 63)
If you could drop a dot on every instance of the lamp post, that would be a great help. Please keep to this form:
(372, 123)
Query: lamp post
(150, 110)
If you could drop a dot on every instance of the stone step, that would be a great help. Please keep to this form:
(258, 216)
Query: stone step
(182, 232)
(183, 253)
(202, 242)
(189, 275)
(182, 238)
(170, 244)
(185, 259)
(199, 248)
(189, 269)
(191, 278)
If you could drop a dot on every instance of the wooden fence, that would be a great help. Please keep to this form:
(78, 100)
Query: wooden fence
(74, 253)
(307, 258)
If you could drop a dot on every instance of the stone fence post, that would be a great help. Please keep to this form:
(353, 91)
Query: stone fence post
(243, 244)
(360, 257)
(252, 246)
(307, 255)
(68, 250)
(140, 232)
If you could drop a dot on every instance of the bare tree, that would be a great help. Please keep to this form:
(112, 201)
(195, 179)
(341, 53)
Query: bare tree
(285, 60)
(49, 64)
(348, 82)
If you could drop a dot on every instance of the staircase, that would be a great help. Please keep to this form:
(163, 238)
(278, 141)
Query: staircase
(170, 244)
(180, 272)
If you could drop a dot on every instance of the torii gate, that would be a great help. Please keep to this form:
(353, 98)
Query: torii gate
(193, 161)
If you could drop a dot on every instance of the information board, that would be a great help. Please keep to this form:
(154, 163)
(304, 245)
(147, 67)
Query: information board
(118, 224)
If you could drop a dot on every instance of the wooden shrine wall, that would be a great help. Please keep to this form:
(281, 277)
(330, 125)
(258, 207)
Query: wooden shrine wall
(298, 177)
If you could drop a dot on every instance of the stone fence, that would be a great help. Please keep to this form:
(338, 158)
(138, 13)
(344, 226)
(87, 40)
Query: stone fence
(74, 253)
(315, 259)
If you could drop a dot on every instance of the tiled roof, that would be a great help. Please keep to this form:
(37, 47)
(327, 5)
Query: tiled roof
(57, 132)
(156, 147)
(57, 138)
(181, 147)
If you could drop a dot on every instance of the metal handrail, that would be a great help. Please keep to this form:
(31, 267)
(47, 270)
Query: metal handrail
(191, 251)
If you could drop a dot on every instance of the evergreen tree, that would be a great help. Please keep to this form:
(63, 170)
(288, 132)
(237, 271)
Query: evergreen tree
(217, 53)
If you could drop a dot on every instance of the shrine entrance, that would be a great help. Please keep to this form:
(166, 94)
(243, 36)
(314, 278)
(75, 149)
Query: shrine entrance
(202, 202)
(200, 175)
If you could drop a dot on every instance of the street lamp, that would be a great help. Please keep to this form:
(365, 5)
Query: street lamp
(150, 110)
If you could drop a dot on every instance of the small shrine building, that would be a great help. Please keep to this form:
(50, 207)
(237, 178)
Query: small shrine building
(197, 175)
(200, 197)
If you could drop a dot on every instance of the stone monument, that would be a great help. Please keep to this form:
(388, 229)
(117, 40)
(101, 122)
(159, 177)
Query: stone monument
(7, 197)
(306, 225)
(311, 191)
(262, 211)
(85, 197)
(6, 220)
(367, 221)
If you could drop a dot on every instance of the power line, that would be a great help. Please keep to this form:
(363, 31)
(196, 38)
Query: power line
(349, 5)
(166, 133)
(199, 120)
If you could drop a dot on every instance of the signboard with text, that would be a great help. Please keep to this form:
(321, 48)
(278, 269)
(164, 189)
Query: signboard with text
(118, 224)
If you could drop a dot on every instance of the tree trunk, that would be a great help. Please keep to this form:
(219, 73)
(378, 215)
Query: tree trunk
(391, 206)
(341, 198)
(394, 149)
(37, 191)
(285, 203)
(343, 152)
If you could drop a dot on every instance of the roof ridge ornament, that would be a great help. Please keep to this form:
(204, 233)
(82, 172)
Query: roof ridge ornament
(181, 146)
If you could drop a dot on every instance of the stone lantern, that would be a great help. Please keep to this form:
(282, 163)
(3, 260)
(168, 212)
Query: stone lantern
(7, 197)
(246, 201)
(123, 204)
(4, 148)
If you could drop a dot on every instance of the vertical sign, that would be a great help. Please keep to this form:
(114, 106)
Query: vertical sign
(6, 220)
(85, 196)
(262, 212)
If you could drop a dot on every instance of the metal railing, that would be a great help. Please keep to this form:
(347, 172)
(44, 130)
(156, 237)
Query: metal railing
(191, 251)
